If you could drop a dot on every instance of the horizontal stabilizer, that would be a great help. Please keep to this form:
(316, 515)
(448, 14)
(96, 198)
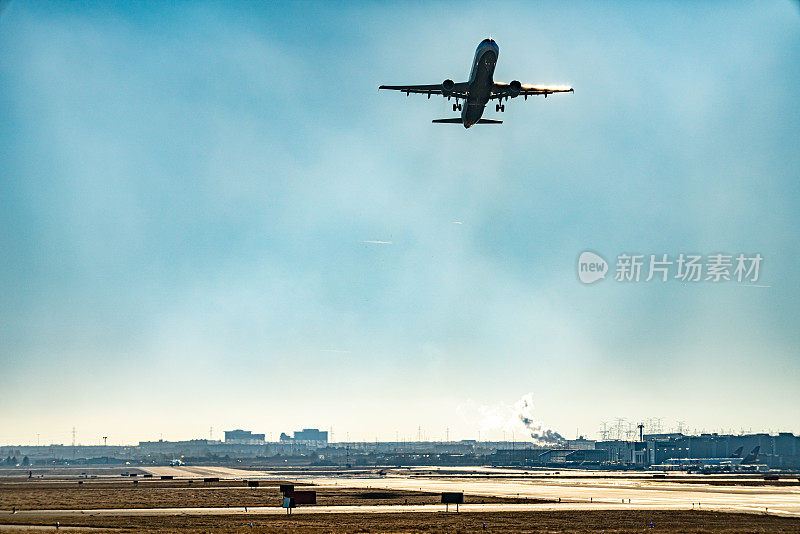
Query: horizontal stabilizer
(459, 121)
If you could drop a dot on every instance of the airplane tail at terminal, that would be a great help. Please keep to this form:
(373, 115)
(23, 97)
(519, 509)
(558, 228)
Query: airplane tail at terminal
(752, 457)
(737, 453)
(459, 121)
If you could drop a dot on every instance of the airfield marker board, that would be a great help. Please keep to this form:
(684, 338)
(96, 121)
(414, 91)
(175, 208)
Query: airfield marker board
(452, 497)
(302, 497)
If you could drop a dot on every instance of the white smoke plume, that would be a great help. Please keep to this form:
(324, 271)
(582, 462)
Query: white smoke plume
(540, 434)
(517, 420)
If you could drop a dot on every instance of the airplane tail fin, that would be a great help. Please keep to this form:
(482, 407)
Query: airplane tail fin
(737, 453)
(752, 457)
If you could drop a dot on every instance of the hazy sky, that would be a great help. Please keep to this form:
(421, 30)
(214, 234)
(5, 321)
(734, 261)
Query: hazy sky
(188, 191)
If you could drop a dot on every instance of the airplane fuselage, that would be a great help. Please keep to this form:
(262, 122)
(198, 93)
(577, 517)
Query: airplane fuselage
(472, 95)
(481, 81)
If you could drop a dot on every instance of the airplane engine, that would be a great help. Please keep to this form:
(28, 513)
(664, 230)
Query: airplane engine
(514, 88)
(447, 87)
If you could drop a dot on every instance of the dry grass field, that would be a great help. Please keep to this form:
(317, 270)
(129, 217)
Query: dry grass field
(39, 494)
(511, 522)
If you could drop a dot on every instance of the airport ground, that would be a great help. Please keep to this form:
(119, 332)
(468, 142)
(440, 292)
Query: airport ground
(394, 500)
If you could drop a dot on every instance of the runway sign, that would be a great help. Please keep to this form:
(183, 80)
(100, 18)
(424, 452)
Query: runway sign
(302, 497)
(452, 498)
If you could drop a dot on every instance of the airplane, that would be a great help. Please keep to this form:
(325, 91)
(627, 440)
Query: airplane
(731, 463)
(480, 89)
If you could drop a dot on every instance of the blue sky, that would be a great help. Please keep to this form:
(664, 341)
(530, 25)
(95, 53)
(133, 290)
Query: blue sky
(186, 191)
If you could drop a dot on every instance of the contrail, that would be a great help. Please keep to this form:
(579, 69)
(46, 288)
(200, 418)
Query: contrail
(378, 242)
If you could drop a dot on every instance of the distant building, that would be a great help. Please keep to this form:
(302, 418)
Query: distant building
(311, 436)
(555, 456)
(581, 444)
(243, 437)
(625, 452)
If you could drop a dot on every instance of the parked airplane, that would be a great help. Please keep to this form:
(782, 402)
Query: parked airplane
(480, 89)
(752, 457)
(733, 462)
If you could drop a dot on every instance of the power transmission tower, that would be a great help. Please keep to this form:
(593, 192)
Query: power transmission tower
(618, 428)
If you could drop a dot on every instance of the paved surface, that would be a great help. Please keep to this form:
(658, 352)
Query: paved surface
(605, 491)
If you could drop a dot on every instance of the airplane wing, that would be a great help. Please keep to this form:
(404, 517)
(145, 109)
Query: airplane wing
(459, 90)
(515, 89)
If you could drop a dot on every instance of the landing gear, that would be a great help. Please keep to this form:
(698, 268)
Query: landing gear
(500, 107)
(456, 107)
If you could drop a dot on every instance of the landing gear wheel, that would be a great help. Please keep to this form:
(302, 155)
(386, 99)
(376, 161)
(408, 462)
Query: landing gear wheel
(455, 106)
(497, 107)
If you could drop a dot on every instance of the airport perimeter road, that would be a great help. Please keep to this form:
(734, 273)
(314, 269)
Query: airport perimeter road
(611, 492)
(359, 509)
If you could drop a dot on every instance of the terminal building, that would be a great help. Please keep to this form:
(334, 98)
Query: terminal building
(776, 451)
